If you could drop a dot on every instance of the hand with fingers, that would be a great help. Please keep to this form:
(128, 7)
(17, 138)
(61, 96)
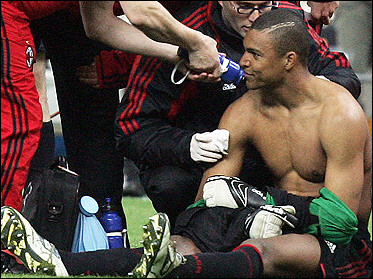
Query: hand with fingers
(209, 147)
(322, 12)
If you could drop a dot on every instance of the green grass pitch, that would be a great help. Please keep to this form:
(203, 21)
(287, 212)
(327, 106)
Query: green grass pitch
(137, 211)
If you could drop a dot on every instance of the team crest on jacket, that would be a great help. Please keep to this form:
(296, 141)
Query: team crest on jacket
(29, 56)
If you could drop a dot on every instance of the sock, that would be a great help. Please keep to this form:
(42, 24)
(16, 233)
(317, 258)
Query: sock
(243, 262)
(109, 262)
(11, 264)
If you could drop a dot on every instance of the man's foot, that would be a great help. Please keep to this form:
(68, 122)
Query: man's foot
(36, 253)
(160, 256)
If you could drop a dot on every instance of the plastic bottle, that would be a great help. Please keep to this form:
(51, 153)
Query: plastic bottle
(113, 225)
(231, 71)
(89, 233)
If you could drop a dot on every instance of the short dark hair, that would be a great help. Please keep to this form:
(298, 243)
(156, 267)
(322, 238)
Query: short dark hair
(288, 31)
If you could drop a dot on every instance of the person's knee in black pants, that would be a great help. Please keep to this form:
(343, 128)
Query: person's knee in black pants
(171, 189)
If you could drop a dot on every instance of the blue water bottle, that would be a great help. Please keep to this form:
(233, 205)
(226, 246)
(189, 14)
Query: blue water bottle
(113, 225)
(231, 71)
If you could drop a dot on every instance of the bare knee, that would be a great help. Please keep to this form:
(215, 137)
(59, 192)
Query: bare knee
(184, 245)
(291, 255)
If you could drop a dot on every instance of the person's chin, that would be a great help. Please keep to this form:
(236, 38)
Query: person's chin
(252, 83)
(244, 30)
(252, 86)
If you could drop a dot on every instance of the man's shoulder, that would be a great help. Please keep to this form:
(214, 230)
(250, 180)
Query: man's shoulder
(241, 111)
(336, 95)
(341, 112)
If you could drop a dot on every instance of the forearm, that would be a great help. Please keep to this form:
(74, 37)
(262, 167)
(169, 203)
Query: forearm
(228, 167)
(157, 23)
(98, 18)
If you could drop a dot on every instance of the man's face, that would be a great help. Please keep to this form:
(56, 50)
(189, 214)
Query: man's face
(260, 62)
(239, 15)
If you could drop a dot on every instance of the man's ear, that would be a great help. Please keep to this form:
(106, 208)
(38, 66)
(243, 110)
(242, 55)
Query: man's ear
(290, 59)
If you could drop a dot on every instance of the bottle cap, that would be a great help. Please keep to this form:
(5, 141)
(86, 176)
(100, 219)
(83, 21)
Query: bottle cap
(88, 206)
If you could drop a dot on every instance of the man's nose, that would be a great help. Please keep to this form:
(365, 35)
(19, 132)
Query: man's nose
(244, 61)
(254, 15)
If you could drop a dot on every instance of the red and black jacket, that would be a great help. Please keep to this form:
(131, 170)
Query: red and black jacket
(156, 118)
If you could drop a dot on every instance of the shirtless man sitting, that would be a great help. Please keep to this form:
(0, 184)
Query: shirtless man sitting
(314, 138)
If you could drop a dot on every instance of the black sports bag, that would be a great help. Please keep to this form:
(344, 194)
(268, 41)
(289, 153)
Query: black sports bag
(51, 204)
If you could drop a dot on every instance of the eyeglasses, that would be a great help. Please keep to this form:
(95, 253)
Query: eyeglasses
(246, 10)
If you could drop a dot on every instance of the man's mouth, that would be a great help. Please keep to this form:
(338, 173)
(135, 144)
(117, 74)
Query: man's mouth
(248, 75)
(246, 28)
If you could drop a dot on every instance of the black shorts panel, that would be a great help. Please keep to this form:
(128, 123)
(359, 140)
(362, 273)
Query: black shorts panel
(347, 261)
(213, 229)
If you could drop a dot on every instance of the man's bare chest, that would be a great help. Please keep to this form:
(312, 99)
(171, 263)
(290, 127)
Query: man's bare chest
(289, 147)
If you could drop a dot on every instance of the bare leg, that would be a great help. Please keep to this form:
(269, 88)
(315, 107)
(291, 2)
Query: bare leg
(292, 255)
(184, 245)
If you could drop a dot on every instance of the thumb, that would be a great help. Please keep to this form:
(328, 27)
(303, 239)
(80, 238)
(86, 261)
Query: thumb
(204, 137)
